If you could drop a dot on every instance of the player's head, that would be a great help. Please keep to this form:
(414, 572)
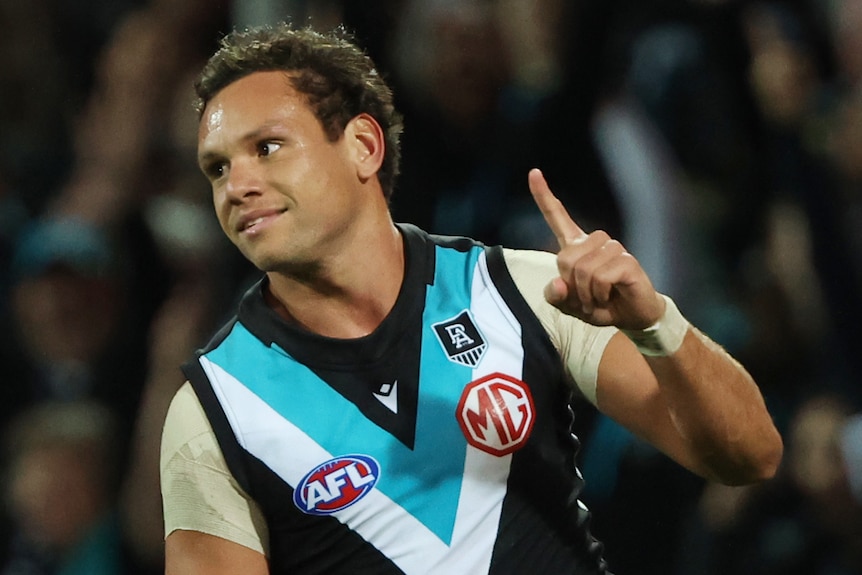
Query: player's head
(338, 79)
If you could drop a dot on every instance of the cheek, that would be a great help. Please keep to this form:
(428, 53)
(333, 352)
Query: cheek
(221, 207)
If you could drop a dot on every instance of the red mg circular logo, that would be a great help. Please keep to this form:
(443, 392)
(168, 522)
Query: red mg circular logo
(496, 413)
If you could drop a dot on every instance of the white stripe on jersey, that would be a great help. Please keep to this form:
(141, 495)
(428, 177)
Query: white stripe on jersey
(486, 475)
(291, 453)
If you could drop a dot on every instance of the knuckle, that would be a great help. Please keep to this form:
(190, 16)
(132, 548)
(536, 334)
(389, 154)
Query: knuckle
(566, 260)
(615, 246)
(583, 278)
(601, 236)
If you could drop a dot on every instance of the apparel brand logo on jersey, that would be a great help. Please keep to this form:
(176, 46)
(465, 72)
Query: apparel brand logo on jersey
(461, 339)
(496, 414)
(336, 484)
(387, 394)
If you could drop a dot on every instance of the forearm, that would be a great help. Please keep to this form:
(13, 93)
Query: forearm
(718, 412)
(677, 389)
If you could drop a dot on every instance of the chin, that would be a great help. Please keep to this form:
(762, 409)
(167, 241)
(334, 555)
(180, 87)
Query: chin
(299, 269)
(265, 261)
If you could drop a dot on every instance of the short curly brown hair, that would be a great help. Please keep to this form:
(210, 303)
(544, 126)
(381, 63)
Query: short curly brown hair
(330, 69)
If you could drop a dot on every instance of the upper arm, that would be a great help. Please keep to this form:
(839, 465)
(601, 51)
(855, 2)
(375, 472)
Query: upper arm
(196, 553)
(199, 493)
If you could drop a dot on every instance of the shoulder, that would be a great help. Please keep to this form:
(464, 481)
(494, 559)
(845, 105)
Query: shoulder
(185, 419)
(530, 268)
(580, 344)
(198, 491)
(531, 271)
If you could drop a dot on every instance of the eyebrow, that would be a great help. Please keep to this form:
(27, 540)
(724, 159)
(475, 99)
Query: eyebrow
(250, 136)
(207, 158)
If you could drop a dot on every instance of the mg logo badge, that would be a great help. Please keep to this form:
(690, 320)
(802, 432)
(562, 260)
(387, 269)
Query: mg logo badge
(496, 414)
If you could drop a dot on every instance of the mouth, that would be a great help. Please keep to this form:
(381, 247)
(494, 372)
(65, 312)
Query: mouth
(256, 222)
(252, 223)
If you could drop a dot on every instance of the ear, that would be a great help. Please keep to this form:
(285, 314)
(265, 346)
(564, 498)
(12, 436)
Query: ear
(367, 145)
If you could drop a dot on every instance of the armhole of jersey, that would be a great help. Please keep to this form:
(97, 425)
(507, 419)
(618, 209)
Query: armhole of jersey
(581, 377)
(505, 283)
(233, 452)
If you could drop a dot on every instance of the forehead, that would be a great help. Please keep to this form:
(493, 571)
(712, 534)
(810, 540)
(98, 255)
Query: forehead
(249, 103)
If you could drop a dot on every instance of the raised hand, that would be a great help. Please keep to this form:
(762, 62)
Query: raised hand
(600, 282)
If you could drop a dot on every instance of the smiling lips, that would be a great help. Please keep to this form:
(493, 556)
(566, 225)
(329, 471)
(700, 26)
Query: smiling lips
(252, 223)
(255, 221)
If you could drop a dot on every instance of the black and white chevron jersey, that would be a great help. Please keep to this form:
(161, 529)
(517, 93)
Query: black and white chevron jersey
(439, 443)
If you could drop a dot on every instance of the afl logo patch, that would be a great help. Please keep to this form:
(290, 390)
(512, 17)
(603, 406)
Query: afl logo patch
(461, 339)
(336, 484)
(496, 414)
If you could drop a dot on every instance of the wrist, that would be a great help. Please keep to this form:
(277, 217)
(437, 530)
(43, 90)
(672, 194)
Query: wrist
(664, 337)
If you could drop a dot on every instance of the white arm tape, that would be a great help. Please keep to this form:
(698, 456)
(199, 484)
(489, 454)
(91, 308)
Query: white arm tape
(665, 336)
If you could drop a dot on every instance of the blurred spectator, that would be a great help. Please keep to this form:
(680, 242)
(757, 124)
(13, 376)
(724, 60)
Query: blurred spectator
(806, 522)
(682, 76)
(13, 216)
(92, 262)
(809, 137)
(46, 71)
(123, 151)
(77, 333)
(672, 136)
(61, 492)
(87, 276)
(180, 326)
(842, 20)
(478, 83)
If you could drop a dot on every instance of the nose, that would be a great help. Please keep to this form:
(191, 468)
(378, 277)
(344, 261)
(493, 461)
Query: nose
(243, 180)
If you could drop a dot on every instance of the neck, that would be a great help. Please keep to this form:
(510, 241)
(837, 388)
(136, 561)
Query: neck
(348, 295)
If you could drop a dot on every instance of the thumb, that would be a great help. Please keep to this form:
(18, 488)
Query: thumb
(556, 291)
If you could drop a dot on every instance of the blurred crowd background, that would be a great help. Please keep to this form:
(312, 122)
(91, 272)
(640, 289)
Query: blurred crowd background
(720, 140)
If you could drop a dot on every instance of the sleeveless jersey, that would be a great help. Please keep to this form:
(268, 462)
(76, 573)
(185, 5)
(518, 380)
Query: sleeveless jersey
(439, 443)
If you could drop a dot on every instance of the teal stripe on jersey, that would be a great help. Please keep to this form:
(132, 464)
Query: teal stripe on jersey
(441, 382)
(279, 380)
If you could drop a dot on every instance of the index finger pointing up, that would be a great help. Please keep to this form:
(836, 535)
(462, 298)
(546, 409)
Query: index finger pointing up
(558, 219)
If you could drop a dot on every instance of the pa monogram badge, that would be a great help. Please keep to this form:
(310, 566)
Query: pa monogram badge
(461, 339)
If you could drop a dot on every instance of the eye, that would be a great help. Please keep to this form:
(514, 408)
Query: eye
(214, 170)
(268, 147)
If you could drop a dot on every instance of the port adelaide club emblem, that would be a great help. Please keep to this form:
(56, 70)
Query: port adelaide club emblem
(461, 339)
(336, 484)
(496, 414)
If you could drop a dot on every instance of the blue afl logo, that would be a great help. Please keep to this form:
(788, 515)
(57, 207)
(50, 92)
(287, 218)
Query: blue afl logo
(336, 484)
